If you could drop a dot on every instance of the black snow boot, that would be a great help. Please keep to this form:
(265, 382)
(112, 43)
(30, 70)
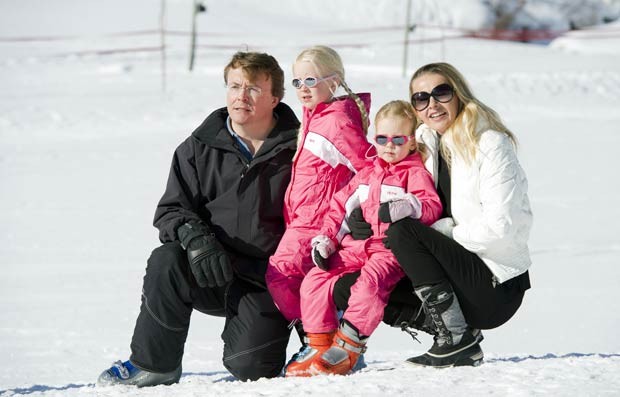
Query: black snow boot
(409, 319)
(456, 344)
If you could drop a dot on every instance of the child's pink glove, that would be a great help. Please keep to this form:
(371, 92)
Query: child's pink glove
(408, 206)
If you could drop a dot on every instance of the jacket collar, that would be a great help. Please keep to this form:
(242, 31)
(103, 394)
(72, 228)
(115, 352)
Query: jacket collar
(213, 130)
(410, 161)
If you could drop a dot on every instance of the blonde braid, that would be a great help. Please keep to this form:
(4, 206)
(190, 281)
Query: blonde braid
(359, 103)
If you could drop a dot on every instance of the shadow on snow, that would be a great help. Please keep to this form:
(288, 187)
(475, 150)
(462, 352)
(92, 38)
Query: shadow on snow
(44, 388)
(226, 377)
(550, 356)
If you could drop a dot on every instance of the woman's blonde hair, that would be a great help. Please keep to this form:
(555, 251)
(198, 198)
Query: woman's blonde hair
(404, 110)
(461, 138)
(327, 62)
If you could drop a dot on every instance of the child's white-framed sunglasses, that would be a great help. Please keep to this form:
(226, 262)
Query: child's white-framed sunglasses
(310, 81)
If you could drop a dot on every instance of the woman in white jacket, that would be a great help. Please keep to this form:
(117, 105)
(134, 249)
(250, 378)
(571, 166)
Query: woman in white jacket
(469, 269)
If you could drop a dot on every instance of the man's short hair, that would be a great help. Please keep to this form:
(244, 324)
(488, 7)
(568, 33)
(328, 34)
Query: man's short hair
(254, 64)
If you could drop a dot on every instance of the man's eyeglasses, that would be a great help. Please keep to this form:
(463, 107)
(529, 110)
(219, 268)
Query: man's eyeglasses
(310, 81)
(442, 93)
(252, 90)
(397, 140)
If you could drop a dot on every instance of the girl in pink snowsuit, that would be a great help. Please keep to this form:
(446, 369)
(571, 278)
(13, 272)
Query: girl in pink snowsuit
(395, 186)
(332, 146)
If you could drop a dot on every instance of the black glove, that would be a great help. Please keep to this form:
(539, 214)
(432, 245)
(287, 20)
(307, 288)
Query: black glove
(318, 260)
(386, 242)
(207, 258)
(384, 212)
(360, 229)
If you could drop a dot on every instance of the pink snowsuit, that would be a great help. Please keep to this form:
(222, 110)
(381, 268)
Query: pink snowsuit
(380, 271)
(332, 149)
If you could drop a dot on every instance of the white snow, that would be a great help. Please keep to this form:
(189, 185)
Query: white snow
(86, 141)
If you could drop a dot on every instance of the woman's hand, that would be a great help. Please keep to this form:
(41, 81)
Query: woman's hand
(444, 226)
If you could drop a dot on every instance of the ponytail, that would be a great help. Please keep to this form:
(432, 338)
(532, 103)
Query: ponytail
(360, 105)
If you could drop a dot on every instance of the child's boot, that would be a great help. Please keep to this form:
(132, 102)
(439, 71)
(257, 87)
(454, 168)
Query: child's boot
(343, 354)
(314, 346)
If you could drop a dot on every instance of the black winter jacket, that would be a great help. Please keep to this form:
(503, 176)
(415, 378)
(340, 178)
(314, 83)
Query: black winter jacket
(211, 181)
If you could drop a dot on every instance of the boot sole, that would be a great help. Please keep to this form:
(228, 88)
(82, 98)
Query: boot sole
(471, 356)
(144, 379)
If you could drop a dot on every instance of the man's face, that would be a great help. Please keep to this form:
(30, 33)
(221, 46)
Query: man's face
(249, 102)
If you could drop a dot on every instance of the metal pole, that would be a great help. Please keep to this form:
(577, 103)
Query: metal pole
(198, 8)
(406, 43)
(162, 35)
(192, 49)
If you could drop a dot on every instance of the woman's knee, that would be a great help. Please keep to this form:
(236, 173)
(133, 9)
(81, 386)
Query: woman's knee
(403, 234)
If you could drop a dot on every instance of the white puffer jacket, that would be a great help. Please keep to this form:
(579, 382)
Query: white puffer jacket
(489, 202)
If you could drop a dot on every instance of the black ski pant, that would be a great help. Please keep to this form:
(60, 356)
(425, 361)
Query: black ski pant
(429, 257)
(255, 334)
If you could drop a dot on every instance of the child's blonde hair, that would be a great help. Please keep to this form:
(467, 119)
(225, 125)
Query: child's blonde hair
(327, 62)
(404, 110)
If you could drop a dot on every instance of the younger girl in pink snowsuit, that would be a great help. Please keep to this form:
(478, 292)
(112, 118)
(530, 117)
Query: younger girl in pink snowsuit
(395, 186)
(332, 146)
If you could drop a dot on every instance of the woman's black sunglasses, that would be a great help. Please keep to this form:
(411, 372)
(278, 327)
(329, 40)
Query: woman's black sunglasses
(442, 93)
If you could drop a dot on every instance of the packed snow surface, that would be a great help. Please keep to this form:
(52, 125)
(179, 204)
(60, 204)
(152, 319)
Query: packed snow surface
(86, 137)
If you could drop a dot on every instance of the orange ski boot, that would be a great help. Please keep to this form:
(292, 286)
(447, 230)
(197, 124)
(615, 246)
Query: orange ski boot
(315, 345)
(343, 354)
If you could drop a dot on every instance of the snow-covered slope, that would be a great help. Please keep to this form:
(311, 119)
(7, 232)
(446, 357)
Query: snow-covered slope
(86, 139)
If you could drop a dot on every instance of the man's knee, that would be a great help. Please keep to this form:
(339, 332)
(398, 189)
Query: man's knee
(250, 368)
(166, 259)
(167, 270)
(168, 254)
(264, 358)
(255, 335)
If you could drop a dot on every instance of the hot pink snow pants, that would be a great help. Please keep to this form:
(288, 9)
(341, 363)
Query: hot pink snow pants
(380, 272)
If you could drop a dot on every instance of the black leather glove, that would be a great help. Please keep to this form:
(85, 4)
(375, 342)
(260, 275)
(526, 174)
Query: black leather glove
(207, 258)
(360, 229)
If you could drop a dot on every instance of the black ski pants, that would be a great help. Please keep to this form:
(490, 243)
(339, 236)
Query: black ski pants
(255, 334)
(428, 257)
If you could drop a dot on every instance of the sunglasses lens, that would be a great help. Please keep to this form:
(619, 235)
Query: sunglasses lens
(398, 140)
(310, 82)
(420, 100)
(443, 93)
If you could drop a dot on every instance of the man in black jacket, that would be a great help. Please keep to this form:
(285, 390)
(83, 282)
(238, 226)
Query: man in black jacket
(219, 220)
